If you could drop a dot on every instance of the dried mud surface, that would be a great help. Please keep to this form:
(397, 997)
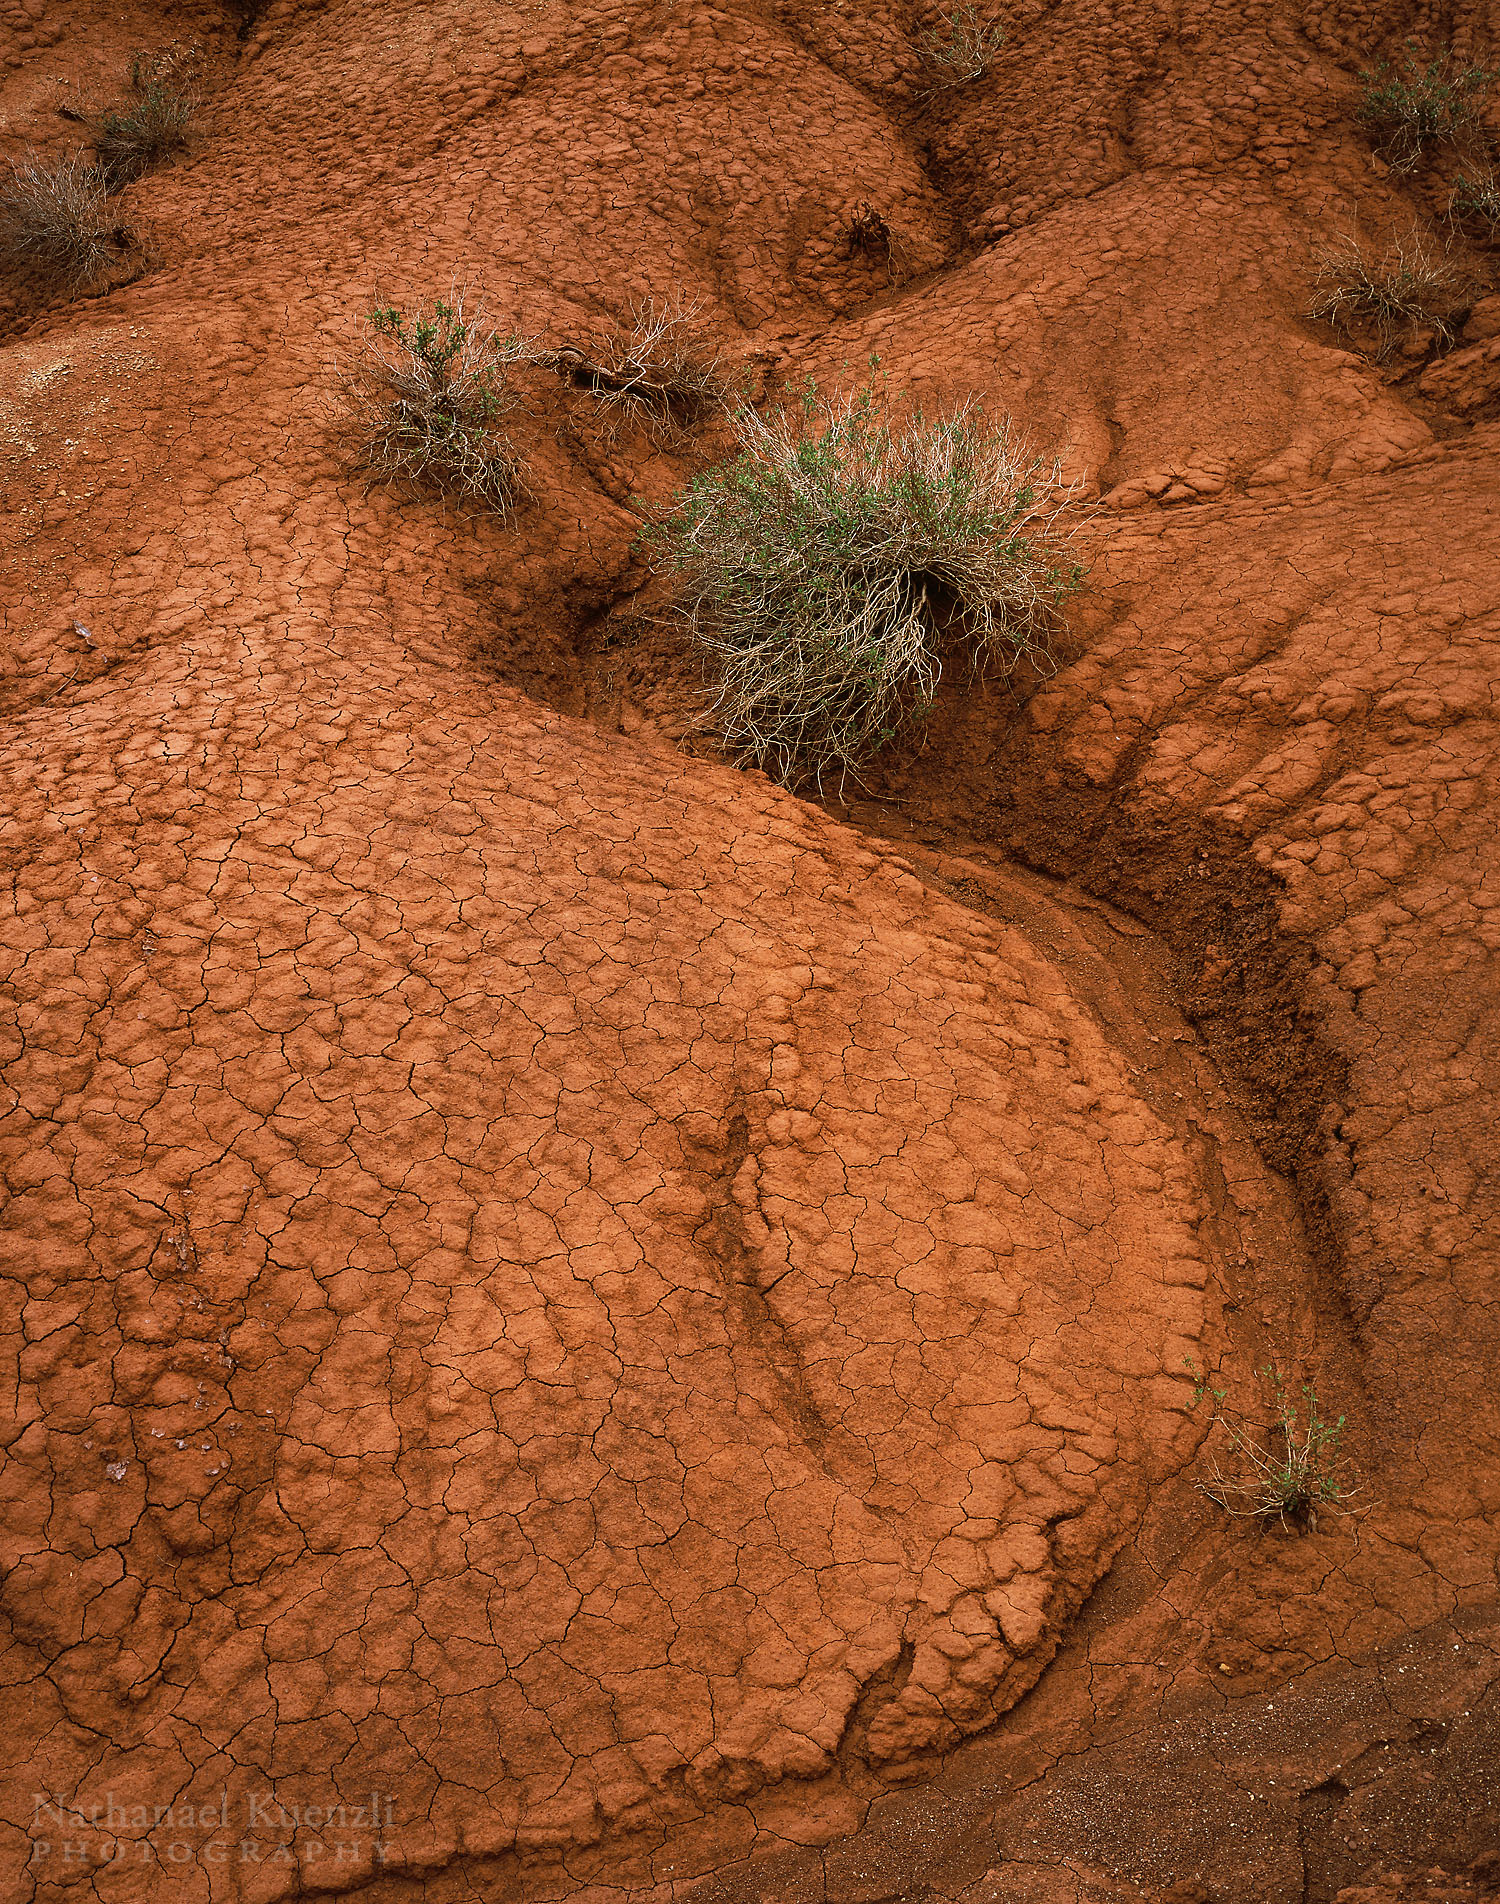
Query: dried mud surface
(637, 1318)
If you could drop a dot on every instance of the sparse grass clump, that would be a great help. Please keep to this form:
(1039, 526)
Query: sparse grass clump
(830, 565)
(1291, 1471)
(56, 229)
(130, 139)
(962, 47)
(664, 367)
(424, 405)
(1409, 108)
(1391, 295)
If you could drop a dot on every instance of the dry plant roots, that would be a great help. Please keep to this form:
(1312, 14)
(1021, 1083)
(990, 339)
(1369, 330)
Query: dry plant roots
(964, 47)
(827, 568)
(868, 235)
(1291, 1471)
(1391, 296)
(423, 406)
(57, 232)
(664, 369)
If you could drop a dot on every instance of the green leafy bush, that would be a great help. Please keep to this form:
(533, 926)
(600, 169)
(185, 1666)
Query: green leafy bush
(1408, 108)
(129, 140)
(962, 47)
(830, 565)
(1474, 202)
(1290, 1472)
(424, 404)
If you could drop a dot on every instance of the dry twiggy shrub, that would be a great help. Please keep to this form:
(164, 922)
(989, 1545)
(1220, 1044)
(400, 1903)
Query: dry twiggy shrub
(1409, 287)
(423, 405)
(130, 139)
(828, 568)
(664, 368)
(961, 48)
(1409, 108)
(1292, 1471)
(57, 232)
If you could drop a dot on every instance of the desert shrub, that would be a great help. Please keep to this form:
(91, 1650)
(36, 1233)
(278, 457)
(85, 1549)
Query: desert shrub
(56, 230)
(962, 47)
(1474, 201)
(1393, 294)
(664, 367)
(1290, 1470)
(130, 139)
(424, 404)
(1406, 109)
(827, 568)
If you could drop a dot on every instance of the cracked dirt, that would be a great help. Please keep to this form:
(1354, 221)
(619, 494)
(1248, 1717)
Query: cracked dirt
(637, 1319)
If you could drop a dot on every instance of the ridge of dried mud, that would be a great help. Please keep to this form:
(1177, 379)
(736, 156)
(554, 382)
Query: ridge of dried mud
(641, 1319)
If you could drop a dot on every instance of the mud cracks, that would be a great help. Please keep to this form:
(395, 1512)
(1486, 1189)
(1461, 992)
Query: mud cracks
(554, 1282)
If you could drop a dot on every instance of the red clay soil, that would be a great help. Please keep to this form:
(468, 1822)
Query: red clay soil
(581, 1327)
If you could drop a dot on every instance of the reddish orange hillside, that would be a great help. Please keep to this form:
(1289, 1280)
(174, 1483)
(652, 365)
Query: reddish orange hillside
(638, 1318)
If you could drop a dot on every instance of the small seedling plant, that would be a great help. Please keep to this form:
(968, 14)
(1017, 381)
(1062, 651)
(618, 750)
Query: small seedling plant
(827, 568)
(961, 48)
(1291, 1472)
(425, 403)
(1410, 108)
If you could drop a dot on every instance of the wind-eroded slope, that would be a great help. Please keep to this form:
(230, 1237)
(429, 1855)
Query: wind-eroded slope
(557, 1283)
